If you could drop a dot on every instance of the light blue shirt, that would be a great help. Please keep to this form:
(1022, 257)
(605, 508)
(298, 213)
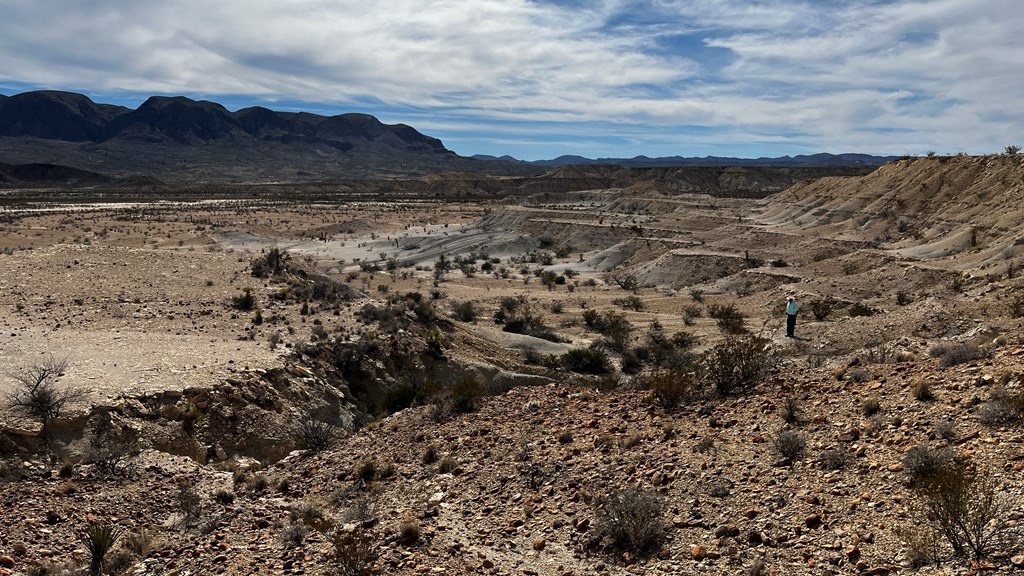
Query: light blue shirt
(792, 307)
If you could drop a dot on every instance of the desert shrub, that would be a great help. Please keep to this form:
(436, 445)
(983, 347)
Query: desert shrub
(564, 437)
(946, 429)
(820, 309)
(190, 503)
(464, 311)
(671, 389)
(859, 375)
(352, 554)
(870, 406)
(922, 545)
(629, 520)
(1016, 307)
(630, 303)
(834, 459)
(923, 462)
(224, 497)
(465, 395)
(112, 448)
(98, 540)
(789, 444)
(317, 435)
(728, 318)
(586, 361)
(737, 364)
(904, 298)
(244, 301)
(612, 324)
(519, 317)
(791, 410)
(367, 469)
(1001, 408)
(860, 309)
(447, 465)
(631, 441)
(429, 455)
(697, 295)
(922, 391)
(967, 508)
(409, 530)
(954, 354)
(36, 393)
(691, 313)
(294, 535)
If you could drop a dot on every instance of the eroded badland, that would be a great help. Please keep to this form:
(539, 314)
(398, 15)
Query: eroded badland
(497, 364)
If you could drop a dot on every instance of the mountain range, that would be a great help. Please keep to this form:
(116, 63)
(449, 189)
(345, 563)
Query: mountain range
(66, 138)
(822, 160)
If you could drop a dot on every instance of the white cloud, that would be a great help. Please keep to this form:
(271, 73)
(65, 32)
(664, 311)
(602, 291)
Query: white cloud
(922, 73)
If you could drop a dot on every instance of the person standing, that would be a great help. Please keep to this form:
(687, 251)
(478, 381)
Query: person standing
(792, 307)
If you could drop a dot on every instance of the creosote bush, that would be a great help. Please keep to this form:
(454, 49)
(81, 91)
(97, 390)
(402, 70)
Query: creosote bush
(738, 364)
(674, 388)
(969, 510)
(586, 361)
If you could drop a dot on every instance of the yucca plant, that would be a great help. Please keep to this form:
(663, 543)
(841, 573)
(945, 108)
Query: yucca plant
(99, 539)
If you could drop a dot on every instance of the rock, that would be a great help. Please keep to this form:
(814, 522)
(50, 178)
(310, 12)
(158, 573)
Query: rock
(813, 521)
(852, 552)
(698, 552)
(539, 544)
(727, 530)
(1017, 561)
(487, 564)
(6, 561)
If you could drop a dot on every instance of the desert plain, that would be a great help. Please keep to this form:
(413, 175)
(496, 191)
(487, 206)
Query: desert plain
(465, 379)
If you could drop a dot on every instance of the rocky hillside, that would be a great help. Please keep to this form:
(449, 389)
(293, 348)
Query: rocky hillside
(969, 209)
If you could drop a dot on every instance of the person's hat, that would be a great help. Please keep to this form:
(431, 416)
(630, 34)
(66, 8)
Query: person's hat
(790, 298)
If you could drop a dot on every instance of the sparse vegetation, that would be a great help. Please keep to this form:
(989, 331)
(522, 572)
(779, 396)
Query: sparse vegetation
(952, 354)
(36, 392)
(738, 364)
(968, 509)
(629, 520)
(586, 361)
(98, 540)
(317, 435)
(789, 444)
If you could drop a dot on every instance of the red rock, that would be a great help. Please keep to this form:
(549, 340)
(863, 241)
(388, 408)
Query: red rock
(813, 521)
(539, 544)
(698, 552)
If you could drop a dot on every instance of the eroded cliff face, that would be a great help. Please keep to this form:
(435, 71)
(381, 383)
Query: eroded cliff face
(968, 208)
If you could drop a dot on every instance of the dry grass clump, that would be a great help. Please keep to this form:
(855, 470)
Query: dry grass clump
(952, 354)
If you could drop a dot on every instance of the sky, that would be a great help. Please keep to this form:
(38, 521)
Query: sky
(536, 79)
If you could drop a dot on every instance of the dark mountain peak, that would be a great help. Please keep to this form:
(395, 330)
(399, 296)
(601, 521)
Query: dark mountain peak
(175, 118)
(55, 115)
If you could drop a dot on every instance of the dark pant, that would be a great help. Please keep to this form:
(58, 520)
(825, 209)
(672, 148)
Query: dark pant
(790, 324)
